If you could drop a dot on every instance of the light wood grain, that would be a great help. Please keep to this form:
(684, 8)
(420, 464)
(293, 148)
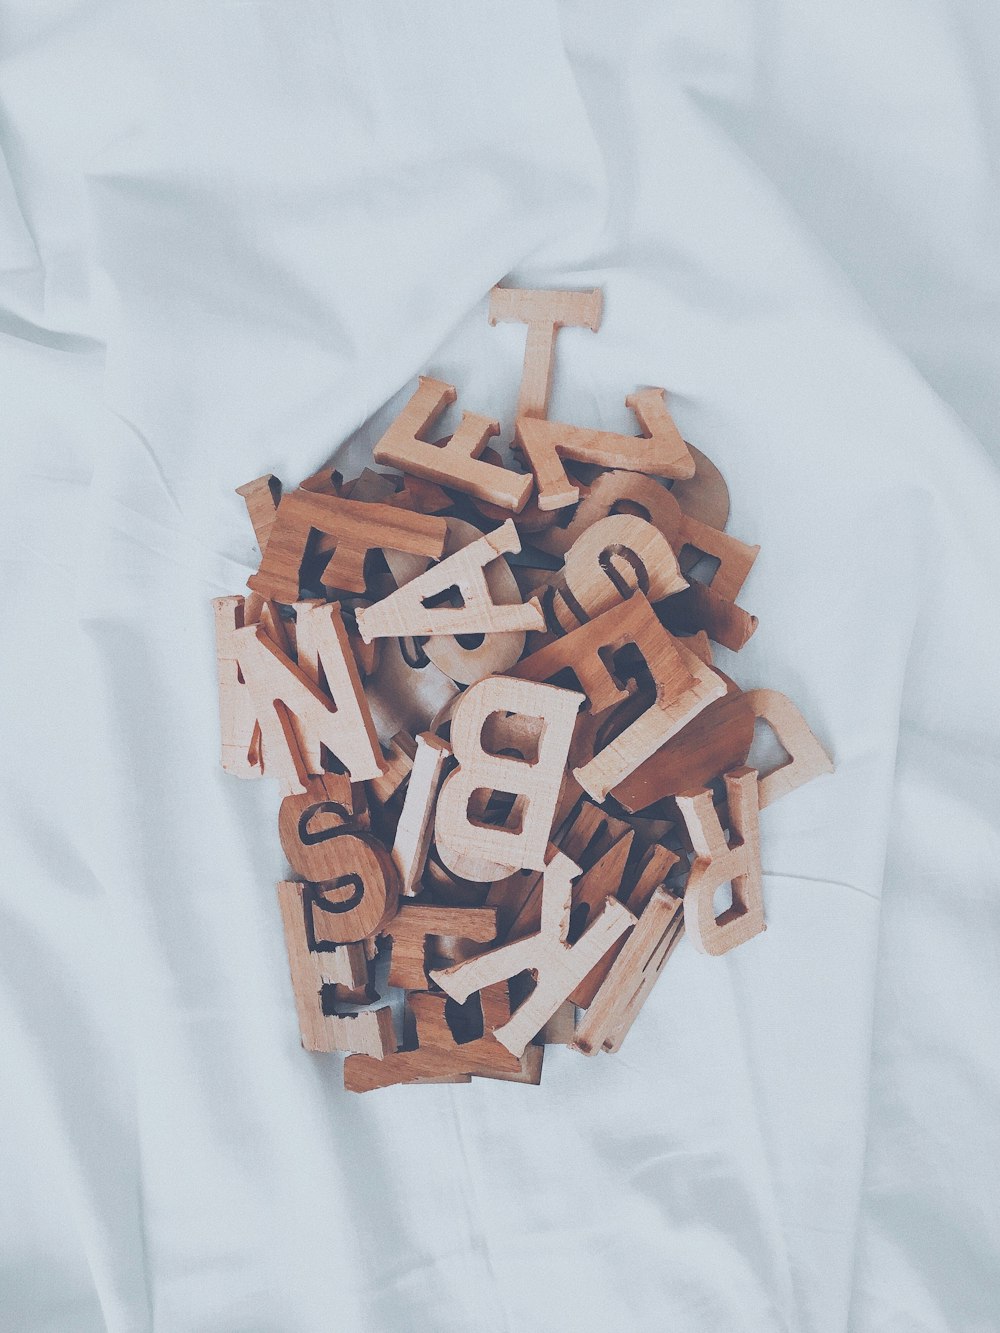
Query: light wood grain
(405, 612)
(632, 976)
(416, 820)
(439, 1058)
(355, 527)
(295, 715)
(659, 450)
(806, 757)
(313, 968)
(499, 851)
(720, 862)
(545, 313)
(559, 966)
(456, 464)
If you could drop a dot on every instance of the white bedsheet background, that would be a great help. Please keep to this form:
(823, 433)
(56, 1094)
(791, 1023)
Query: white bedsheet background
(232, 234)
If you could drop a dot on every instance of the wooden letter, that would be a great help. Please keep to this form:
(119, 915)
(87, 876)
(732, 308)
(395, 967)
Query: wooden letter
(717, 862)
(659, 450)
(632, 976)
(613, 558)
(807, 758)
(353, 878)
(398, 767)
(439, 1058)
(559, 966)
(416, 821)
(415, 924)
(535, 785)
(455, 464)
(406, 611)
(705, 496)
(307, 821)
(361, 890)
(677, 702)
(261, 497)
(408, 690)
(463, 659)
(357, 526)
(237, 714)
(699, 607)
(545, 313)
(295, 716)
(315, 964)
(684, 685)
(615, 492)
(714, 741)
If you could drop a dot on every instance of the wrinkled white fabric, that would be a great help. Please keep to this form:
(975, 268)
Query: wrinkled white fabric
(231, 234)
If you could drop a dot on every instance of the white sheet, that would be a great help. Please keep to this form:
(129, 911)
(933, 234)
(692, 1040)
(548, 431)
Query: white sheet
(230, 235)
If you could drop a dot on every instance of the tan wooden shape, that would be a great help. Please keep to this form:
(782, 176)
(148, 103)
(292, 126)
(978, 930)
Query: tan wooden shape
(736, 558)
(356, 528)
(393, 488)
(456, 464)
(716, 739)
(261, 497)
(237, 714)
(367, 655)
(700, 607)
(559, 966)
(545, 313)
(423, 497)
(536, 786)
(416, 821)
(405, 612)
(659, 450)
(415, 923)
(594, 887)
(684, 686)
(408, 690)
(655, 866)
(370, 1032)
(616, 493)
(653, 870)
(327, 481)
(590, 833)
(701, 645)
(438, 1057)
(632, 976)
(294, 714)
(398, 765)
(414, 494)
(718, 862)
(306, 820)
(497, 652)
(585, 839)
(258, 611)
(615, 557)
(807, 758)
(560, 1029)
(353, 878)
(530, 519)
(585, 651)
(705, 496)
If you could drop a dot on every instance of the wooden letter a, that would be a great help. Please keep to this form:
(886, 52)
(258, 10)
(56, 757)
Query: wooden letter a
(405, 611)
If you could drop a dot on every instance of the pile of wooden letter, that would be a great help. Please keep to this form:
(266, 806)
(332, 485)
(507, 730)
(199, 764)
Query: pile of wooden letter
(511, 776)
